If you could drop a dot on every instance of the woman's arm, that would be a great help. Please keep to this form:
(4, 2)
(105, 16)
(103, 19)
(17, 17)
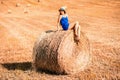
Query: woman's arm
(58, 22)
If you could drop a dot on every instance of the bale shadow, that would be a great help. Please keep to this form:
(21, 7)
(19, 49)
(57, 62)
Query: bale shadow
(18, 66)
(24, 66)
(50, 72)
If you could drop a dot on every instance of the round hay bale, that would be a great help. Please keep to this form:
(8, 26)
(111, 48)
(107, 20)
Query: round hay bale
(26, 10)
(28, 5)
(58, 52)
(9, 11)
(2, 2)
(18, 5)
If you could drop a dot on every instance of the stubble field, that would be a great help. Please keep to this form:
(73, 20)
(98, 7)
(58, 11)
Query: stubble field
(21, 26)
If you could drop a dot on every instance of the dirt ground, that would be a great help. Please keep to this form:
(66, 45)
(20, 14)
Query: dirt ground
(21, 26)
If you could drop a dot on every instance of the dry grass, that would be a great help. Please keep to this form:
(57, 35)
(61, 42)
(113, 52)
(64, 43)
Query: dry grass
(105, 64)
(100, 21)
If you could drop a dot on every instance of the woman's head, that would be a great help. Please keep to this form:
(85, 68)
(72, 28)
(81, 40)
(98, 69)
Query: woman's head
(62, 10)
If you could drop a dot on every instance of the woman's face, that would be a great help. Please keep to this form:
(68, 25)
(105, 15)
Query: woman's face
(61, 12)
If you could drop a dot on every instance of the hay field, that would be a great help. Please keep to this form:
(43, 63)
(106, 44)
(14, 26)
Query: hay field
(100, 21)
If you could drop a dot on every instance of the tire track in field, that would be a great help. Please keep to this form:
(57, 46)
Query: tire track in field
(24, 43)
(14, 31)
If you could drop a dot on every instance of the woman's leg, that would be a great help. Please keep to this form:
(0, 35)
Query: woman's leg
(78, 31)
(76, 27)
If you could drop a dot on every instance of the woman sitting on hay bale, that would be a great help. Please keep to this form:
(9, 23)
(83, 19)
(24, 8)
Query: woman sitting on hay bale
(64, 22)
(58, 52)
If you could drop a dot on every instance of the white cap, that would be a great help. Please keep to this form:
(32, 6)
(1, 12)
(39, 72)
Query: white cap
(63, 8)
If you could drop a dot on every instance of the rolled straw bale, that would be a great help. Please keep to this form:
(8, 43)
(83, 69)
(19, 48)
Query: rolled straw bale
(58, 52)
(28, 5)
(26, 10)
(2, 2)
(9, 11)
(18, 5)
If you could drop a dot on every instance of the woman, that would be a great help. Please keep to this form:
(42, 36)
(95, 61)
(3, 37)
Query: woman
(64, 22)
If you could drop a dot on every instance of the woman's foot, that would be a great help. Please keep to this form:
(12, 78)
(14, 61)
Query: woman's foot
(77, 38)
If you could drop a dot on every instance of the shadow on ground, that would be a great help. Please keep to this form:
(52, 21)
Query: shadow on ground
(24, 66)
(18, 66)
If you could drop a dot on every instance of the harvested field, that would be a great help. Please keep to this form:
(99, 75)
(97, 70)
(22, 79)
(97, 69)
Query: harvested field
(100, 21)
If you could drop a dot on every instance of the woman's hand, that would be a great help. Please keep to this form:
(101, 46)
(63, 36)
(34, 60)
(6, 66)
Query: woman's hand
(58, 22)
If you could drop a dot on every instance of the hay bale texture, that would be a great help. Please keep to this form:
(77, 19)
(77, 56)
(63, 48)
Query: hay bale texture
(58, 52)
